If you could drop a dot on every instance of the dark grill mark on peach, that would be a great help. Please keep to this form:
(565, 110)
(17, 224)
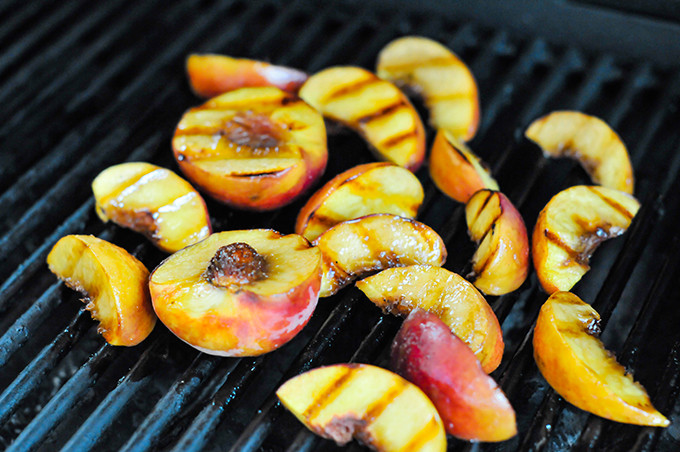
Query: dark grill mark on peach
(331, 392)
(480, 267)
(323, 220)
(377, 407)
(382, 112)
(345, 90)
(555, 239)
(395, 140)
(615, 205)
(426, 434)
(488, 193)
(260, 174)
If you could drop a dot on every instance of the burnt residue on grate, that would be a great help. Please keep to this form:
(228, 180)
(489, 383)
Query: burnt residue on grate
(87, 85)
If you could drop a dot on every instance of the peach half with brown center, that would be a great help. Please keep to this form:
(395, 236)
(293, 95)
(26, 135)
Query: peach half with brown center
(238, 293)
(153, 201)
(252, 148)
(379, 187)
(113, 282)
(373, 107)
(435, 72)
(571, 227)
(211, 75)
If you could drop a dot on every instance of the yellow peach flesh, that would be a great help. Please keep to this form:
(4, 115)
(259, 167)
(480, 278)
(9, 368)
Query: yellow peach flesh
(153, 201)
(373, 405)
(576, 364)
(114, 284)
(445, 82)
(359, 247)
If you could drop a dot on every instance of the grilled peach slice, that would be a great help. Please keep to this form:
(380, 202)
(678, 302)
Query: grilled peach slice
(373, 405)
(375, 108)
(456, 170)
(113, 283)
(588, 140)
(578, 367)
(153, 201)
(436, 73)
(252, 148)
(379, 187)
(359, 247)
(471, 404)
(211, 75)
(238, 293)
(453, 299)
(571, 227)
(501, 262)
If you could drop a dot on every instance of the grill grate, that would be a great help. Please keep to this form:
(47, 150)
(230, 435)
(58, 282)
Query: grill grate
(88, 86)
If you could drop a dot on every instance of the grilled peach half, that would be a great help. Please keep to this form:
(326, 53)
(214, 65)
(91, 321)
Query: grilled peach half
(578, 367)
(571, 227)
(113, 283)
(359, 247)
(435, 72)
(501, 262)
(211, 75)
(590, 141)
(471, 404)
(375, 108)
(379, 187)
(238, 293)
(449, 296)
(456, 170)
(153, 201)
(373, 405)
(252, 148)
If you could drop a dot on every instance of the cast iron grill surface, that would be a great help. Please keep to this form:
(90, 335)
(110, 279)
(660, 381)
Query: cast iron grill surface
(85, 85)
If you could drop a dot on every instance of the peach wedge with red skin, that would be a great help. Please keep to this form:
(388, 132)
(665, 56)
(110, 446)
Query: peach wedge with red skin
(570, 228)
(153, 201)
(113, 282)
(375, 108)
(238, 293)
(449, 296)
(433, 71)
(211, 75)
(373, 405)
(501, 262)
(378, 187)
(590, 141)
(578, 367)
(471, 404)
(356, 248)
(456, 170)
(252, 148)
